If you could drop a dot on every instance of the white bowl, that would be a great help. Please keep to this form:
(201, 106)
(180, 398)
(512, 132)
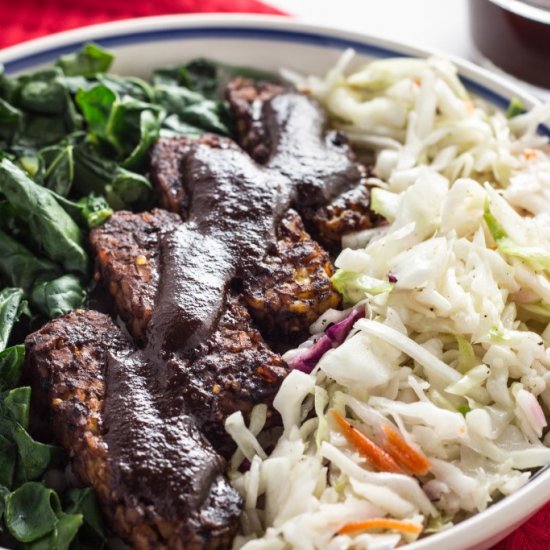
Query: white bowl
(270, 43)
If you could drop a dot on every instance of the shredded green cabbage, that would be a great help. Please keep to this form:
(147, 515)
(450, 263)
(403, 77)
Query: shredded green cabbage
(453, 351)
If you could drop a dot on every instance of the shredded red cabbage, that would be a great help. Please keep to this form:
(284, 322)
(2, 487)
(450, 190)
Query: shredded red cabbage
(332, 338)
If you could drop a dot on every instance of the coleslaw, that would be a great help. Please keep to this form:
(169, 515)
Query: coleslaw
(427, 399)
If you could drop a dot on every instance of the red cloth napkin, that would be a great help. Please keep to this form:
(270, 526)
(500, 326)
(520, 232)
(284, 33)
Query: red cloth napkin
(26, 19)
(532, 535)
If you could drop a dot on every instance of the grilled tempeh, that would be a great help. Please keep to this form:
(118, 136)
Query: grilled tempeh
(275, 124)
(127, 255)
(232, 370)
(96, 388)
(291, 287)
(145, 426)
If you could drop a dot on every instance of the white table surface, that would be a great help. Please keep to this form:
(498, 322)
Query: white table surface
(441, 25)
(435, 24)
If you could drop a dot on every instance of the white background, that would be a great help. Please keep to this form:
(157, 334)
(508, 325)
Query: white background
(435, 24)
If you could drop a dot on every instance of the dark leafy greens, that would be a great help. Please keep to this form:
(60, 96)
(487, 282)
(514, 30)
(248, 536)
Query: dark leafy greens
(33, 515)
(10, 121)
(20, 267)
(206, 77)
(11, 306)
(84, 502)
(11, 361)
(54, 231)
(59, 296)
(94, 210)
(100, 175)
(90, 60)
(24, 458)
(45, 110)
(59, 168)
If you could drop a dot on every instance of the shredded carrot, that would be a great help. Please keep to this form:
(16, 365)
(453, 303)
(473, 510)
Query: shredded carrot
(378, 458)
(381, 523)
(404, 454)
(530, 154)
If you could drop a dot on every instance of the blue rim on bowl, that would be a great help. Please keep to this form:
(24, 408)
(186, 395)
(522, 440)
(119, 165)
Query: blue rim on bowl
(147, 30)
(242, 33)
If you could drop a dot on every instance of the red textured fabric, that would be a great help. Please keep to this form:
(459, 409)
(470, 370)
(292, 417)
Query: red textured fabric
(533, 535)
(26, 19)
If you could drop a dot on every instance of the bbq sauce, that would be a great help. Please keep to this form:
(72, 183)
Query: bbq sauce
(317, 166)
(233, 210)
(234, 207)
(162, 459)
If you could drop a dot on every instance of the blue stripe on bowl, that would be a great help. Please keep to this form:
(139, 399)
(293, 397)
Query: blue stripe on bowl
(243, 33)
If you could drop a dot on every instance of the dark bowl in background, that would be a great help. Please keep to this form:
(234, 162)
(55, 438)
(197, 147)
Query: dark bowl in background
(515, 36)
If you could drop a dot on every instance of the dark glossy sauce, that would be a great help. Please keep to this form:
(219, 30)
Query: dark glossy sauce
(233, 211)
(313, 163)
(520, 45)
(161, 457)
(164, 466)
(235, 206)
